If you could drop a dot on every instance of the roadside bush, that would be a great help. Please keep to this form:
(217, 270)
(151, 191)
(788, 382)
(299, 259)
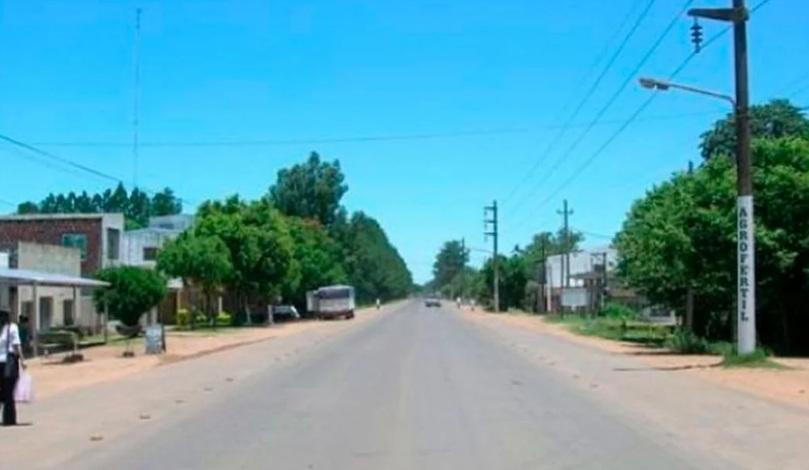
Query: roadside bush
(183, 318)
(615, 310)
(224, 319)
(201, 320)
(684, 341)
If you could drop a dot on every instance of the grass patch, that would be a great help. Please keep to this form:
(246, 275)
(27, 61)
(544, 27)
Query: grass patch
(614, 328)
(760, 358)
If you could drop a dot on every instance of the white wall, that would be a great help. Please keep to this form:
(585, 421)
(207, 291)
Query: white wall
(133, 243)
(580, 262)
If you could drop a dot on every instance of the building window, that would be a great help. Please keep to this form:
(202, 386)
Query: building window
(67, 312)
(149, 253)
(76, 240)
(113, 243)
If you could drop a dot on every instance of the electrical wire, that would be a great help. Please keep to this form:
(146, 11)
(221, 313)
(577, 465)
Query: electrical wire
(70, 164)
(588, 94)
(613, 98)
(637, 112)
(356, 139)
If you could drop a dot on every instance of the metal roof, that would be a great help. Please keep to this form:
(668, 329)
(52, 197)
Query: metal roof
(28, 277)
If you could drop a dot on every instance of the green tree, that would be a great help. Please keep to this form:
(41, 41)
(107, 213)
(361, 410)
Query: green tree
(28, 208)
(682, 234)
(318, 257)
(450, 260)
(165, 203)
(373, 264)
(131, 293)
(259, 245)
(778, 118)
(202, 262)
(311, 190)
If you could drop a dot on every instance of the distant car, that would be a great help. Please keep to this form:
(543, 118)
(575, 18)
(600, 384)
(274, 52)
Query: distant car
(286, 311)
(432, 302)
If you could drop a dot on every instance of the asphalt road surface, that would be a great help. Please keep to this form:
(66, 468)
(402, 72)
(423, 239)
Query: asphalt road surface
(410, 388)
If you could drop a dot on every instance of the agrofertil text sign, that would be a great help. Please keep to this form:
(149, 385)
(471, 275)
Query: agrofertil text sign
(746, 315)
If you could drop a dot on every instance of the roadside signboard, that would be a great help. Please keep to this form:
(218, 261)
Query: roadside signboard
(154, 339)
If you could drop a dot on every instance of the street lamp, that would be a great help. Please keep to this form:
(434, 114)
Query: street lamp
(746, 282)
(663, 85)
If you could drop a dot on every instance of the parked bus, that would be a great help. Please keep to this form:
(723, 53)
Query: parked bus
(331, 302)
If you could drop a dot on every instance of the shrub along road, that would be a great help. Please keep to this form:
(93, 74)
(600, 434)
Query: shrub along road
(411, 388)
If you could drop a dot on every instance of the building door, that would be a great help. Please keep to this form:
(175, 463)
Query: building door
(45, 313)
(67, 312)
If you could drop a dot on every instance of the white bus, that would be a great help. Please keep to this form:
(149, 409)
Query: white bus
(331, 302)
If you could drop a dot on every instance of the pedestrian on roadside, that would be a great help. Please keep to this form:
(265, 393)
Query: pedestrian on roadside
(378, 303)
(11, 359)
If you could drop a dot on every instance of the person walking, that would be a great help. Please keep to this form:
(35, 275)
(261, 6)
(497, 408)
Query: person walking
(11, 359)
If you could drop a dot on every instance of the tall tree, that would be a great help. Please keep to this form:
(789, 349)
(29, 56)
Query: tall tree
(318, 257)
(450, 260)
(311, 190)
(682, 234)
(374, 266)
(136, 206)
(165, 203)
(778, 118)
(259, 245)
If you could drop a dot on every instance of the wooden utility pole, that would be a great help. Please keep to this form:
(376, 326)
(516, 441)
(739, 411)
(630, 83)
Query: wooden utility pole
(463, 268)
(746, 275)
(491, 231)
(541, 277)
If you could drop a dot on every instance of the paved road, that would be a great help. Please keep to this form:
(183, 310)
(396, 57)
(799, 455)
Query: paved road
(417, 388)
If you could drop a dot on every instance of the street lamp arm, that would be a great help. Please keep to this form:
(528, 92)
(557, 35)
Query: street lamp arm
(662, 85)
(701, 91)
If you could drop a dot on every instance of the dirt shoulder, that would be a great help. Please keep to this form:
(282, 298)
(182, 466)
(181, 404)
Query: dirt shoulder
(789, 385)
(105, 363)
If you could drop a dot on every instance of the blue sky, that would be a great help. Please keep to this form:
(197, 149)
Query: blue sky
(309, 70)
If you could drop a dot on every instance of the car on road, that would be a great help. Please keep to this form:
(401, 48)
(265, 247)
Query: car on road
(432, 302)
(286, 312)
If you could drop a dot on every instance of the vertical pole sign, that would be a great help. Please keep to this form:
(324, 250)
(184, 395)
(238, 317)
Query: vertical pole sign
(746, 275)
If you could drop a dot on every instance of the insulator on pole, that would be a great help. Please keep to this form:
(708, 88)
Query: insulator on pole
(696, 35)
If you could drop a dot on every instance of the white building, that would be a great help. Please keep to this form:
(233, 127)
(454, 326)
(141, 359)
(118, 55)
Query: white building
(581, 262)
(580, 290)
(140, 247)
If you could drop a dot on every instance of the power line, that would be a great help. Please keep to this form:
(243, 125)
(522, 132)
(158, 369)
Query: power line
(588, 93)
(637, 112)
(594, 234)
(356, 139)
(631, 76)
(7, 203)
(71, 165)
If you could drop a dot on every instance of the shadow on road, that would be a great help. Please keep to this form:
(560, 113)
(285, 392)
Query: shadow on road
(667, 368)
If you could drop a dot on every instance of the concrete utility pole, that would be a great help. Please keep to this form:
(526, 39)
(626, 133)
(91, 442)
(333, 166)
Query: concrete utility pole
(746, 275)
(565, 212)
(491, 211)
